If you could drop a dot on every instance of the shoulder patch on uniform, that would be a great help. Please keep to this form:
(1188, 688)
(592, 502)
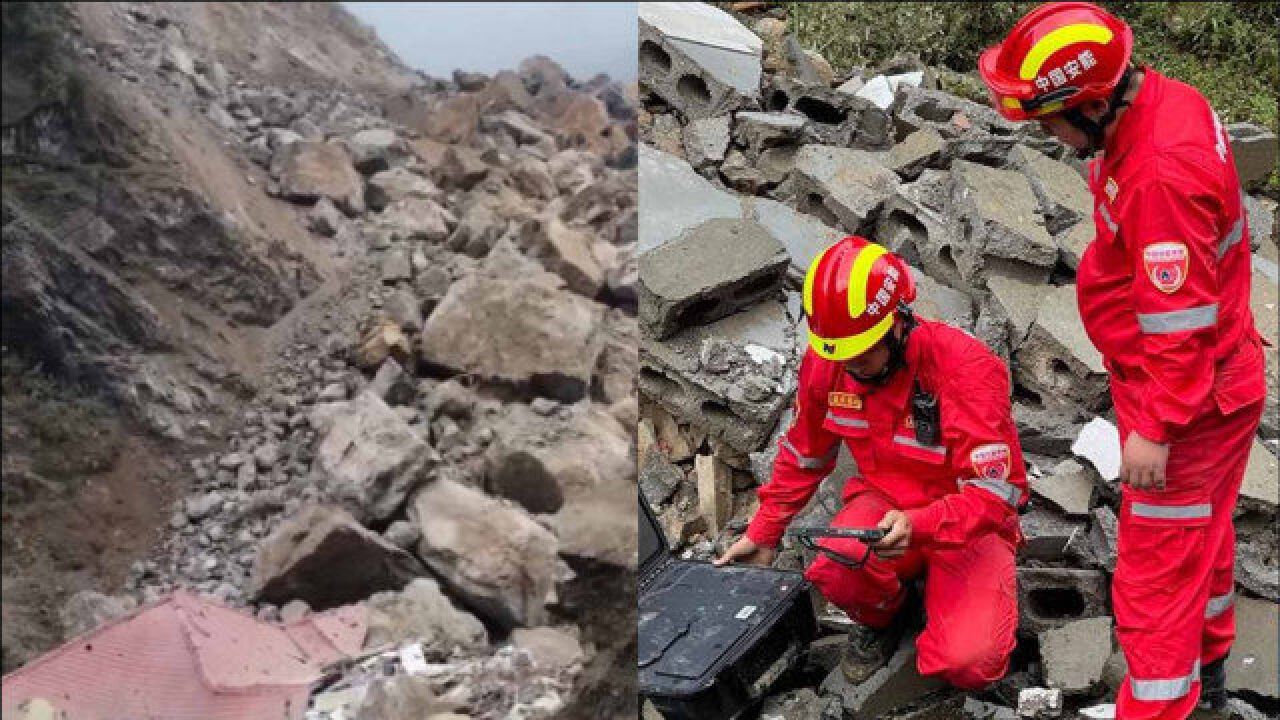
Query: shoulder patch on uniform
(850, 401)
(1112, 188)
(1166, 264)
(991, 461)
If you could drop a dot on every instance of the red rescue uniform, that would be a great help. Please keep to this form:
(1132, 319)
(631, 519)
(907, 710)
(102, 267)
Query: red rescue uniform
(961, 496)
(1164, 294)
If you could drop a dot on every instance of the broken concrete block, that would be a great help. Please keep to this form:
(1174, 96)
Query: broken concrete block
(422, 613)
(1003, 227)
(919, 150)
(706, 141)
(674, 199)
(1102, 538)
(1259, 490)
(1058, 362)
(323, 556)
(1073, 241)
(712, 271)
(698, 58)
(972, 131)
(759, 131)
(1254, 662)
(919, 225)
(1099, 443)
(738, 399)
(1257, 550)
(1049, 535)
(834, 118)
(490, 554)
(1069, 487)
(892, 686)
(1039, 703)
(841, 186)
(369, 459)
(1063, 195)
(802, 703)
(519, 327)
(715, 490)
(939, 302)
(1017, 302)
(659, 478)
(803, 236)
(1264, 300)
(1052, 597)
(740, 175)
(1255, 152)
(1074, 654)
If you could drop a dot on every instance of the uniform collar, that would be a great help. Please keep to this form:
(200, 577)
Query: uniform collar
(1129, 127)
(897, 392)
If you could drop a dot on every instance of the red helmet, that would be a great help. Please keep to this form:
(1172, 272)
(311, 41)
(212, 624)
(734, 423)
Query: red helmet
(851, 295)
(1058, 56)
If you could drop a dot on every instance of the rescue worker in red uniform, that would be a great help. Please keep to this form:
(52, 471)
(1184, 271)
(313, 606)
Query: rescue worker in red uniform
(1163, 290)
(946, 485)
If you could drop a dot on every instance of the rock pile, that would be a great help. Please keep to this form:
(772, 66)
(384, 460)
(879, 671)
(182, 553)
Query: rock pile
(751, 161)
(445, 430)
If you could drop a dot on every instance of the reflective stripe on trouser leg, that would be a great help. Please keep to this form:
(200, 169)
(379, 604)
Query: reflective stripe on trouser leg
(1174, 688)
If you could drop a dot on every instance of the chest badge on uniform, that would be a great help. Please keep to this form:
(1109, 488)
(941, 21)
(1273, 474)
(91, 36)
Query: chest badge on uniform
(849, 401)
(1166, 264)
(991, 462)
(1112, 188)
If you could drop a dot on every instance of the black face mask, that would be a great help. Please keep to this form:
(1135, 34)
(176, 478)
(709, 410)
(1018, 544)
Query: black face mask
(897, 352)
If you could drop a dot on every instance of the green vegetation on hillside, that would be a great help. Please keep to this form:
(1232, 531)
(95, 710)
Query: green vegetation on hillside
(1228, 50)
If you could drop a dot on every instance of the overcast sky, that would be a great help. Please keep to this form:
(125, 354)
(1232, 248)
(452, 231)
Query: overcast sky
(585, 38)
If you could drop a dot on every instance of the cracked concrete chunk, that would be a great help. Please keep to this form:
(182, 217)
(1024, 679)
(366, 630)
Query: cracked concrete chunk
(1069, 487)
(1252, 665)
(675, 199)
(490, 554)
(922, 148)
(841, 186)
(712, 271)
(1259, 489)
(1255, 151)
(698, 58)
(760, 131)
(1063, 195)
(1057, 361)
(1075, 653)
(1002, 222)
(706, 141)
(1050, 597)
(802, 235)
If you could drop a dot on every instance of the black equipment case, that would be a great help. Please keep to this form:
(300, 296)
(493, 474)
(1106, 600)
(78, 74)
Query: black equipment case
(713, 640)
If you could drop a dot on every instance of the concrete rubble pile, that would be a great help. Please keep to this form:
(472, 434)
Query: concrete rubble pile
(752, 159)
(447, 437)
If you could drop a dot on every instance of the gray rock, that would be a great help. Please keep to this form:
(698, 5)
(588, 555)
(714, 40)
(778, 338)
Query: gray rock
(712, 271)
(490, 554)
(266, 456)
(395, 266)
(422, 613)
(310, 170)
(202, 506)
(370, 459)
(921, 149)
(324, 218)
(698, 58)
(1103, 538)
(392, 384)
(375, 150)
(403, 534)
(893, 686)
(841, 186)
(88, 609)
(706, 140)
(659, 478)
(391, 185)
(411, 218)
(565, 251)
(1255, 152)
(554, 650)
(323, 556)
(404, 309)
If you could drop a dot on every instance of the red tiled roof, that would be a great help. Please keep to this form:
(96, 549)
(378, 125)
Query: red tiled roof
(184, 658)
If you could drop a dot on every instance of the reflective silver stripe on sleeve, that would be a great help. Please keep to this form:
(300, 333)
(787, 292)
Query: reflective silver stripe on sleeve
(1165, 688)
(1201, 316)
(1218, 604)
(848, 422)
(810, 463)
(1233, 237)
(1007, 492)
(1106, 218)
(912, 442)
(1171, 512)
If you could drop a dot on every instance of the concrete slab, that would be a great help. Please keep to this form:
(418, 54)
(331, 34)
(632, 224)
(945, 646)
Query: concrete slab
(804, 236)
(1063, 195)
(711, 271)
(698, 58)
(674, 199)
(1253, 663)
(841, 186)
(1075, 653)
(1002, 220)
(1259, 488)
(893, 686)
(1058, 362)
(1069, 487)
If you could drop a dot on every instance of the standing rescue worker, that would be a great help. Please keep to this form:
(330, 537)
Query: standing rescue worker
(925, 410)
(1163, 290)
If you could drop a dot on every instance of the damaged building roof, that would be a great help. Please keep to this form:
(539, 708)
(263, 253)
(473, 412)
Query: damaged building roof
(186, 657)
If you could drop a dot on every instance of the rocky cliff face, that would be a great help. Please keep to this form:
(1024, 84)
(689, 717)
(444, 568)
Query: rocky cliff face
(329, 304)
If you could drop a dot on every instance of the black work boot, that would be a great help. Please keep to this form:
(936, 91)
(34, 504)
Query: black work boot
(867, 650)
(1213, 685)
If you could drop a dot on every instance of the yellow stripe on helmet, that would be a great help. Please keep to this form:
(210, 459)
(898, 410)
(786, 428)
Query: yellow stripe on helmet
(859, 274)
(845, 348)
(1058, 39)
(806, 297)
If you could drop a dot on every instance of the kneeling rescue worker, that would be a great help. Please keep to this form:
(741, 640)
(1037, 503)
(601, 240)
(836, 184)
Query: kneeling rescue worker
(944, 483)
(1163, 290)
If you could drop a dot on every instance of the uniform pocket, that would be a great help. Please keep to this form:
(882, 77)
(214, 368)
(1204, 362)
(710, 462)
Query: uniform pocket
(1160, 550)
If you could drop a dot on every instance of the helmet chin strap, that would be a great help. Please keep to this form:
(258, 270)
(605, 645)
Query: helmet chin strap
(897, 350)
(1096, 130)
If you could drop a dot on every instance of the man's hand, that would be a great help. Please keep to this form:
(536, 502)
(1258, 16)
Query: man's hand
(1143, 462)
(897, 538)
(747, 552)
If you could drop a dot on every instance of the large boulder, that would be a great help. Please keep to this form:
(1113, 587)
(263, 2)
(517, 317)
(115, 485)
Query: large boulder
(310, 170)
(368, 457)
(519, 326)
(489, 553)
(323, 556)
